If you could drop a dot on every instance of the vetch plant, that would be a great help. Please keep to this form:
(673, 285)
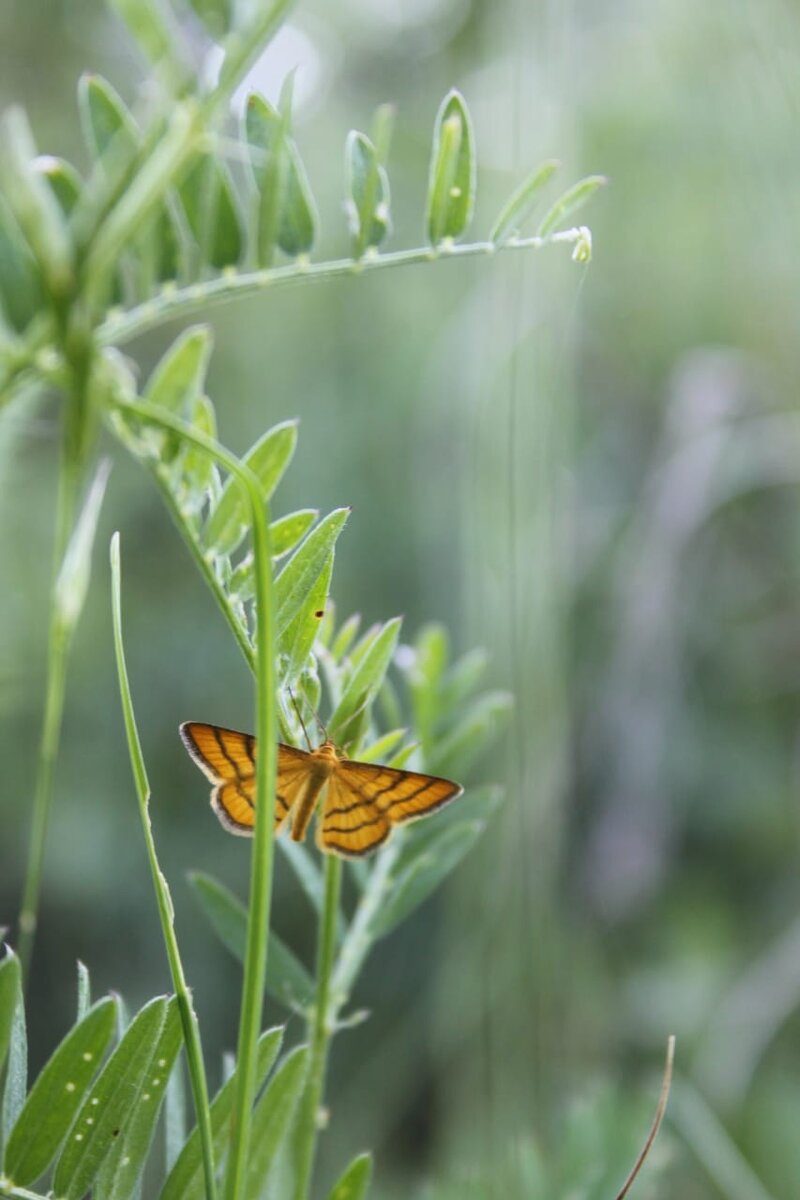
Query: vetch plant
(157, 229)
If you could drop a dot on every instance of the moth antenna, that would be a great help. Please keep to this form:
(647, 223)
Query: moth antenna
(322, 727)
(300, 719)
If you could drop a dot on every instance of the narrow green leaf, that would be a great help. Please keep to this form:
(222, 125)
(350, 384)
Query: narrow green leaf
(304, 568)
(73, 578)
(522, 202)
(119, 1174)
(35, 208)
(288, 531)
(174, 1115)
(570, 202)
(451, 185)
(197, 467)
(103, 1116)
(273, 1118)
(424, 875)
(353, 1184)
(10, 992)
(216, 15)
(57, 1094)
(287, 215)
(462, 679)
(185, 1180)
(64, 180)
(464, 744)
(20, 286)
(17, 1043)
(345, 637)
(268, 459)
(380, 750)
(368, 194)
(212, 212)
(108, 125)
(287, 978)
(297, 639)
(178, 378)
(365, 681)
(151, 25)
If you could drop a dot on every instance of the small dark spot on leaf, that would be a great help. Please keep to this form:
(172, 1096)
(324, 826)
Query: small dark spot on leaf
(115, 1133)
(320, 612)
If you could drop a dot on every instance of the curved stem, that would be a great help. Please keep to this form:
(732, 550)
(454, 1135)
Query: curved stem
(266, 769)
(322, 1023)
(191, 1029)
(182, 302)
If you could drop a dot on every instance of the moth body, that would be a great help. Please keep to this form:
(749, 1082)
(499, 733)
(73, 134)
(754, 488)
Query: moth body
(322, 762)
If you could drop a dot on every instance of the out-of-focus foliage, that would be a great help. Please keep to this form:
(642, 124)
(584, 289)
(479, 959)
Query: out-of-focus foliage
(599, 488)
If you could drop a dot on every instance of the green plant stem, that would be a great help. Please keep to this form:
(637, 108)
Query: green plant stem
(358, 942)
(322, 1024)
(181, 302)
(191, 1030)
(58, 645)
(266, 770)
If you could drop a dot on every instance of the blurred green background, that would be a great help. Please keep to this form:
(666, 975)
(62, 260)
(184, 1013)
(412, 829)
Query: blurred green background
(589, 471)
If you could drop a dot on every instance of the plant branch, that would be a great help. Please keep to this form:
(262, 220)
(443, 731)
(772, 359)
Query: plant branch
(182, 302)
(322, 1025)
(191, 1030)
(661, 1108)
(266, 769)
(358, 943)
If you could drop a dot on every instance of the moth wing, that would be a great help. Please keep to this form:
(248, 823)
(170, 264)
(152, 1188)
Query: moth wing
(228, 759)
(352, 824)
(400, 795)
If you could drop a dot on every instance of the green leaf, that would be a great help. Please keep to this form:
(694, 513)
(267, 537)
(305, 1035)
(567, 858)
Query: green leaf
(212, 212)
(10, 994)
(108, 126)
(178, 378)
(345, 637)
(185, 1180)
(298, 637)
(64, 180)
(424, 875)
(20, 286)
(16, 1045)
(119, 1174)
(380, 750)
(304, 568)
(150, 23)
(273, 1117)
(57, 1094)
(198, 469)
(368, 194)
(451, 184)
(102, 1118)
(287, 978)
(35, 208)
(287, 214)
(174, 1116)
(353, 1184)
(570, 202)
(73, 578)
(522, 202)
(464, 744)
(462, 679)
(366, 680)
(286, 532)
(268, 459)
(216, 15)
